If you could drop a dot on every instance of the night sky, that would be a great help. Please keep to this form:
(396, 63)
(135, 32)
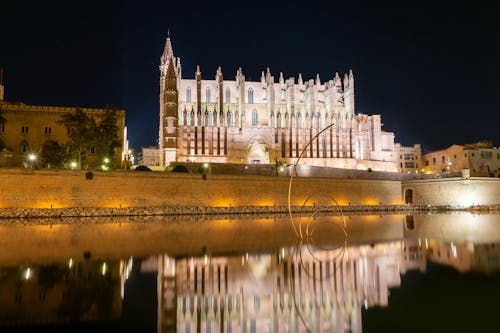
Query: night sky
(429, 71)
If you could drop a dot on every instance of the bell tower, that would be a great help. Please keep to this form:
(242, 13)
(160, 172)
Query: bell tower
(169, 101)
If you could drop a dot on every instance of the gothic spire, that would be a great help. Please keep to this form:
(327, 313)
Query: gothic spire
(168, 52)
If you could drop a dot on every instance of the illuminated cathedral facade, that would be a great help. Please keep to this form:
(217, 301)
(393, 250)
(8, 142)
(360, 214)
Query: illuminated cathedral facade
(267, 121)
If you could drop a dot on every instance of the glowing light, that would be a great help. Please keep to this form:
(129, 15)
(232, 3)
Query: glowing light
(104, 268)
(106, 160)
(27, 274)
(73, 165)
(70, 264)
(32, 157)
(205, 165)
(206, 259)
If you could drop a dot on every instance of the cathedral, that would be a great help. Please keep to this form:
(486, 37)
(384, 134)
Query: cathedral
(267, 121)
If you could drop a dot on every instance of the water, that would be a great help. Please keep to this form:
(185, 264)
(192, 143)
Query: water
(366, 273)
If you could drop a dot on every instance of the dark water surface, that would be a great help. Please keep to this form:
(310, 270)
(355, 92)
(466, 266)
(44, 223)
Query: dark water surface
(366, 273)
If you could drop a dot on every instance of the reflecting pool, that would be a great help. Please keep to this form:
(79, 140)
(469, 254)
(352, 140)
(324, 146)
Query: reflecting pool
(251, 273)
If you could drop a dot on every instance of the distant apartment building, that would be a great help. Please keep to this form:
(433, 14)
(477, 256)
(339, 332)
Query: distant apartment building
(409, 158)
(150, 156)
(480, 158)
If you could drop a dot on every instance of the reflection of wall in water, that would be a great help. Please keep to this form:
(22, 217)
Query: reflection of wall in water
(56, 293)
(255, 293)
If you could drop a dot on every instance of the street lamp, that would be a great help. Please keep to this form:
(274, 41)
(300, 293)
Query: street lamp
(31, 159)
(73, 165)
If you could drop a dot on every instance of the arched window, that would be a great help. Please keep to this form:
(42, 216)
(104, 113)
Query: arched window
(316, 121)
(188, 118)
(298, 122)
(24, 146)
(250, 96)
(210, 118)
(207, 95)
(228, 96)
(188, 95)
(278, 120)
(255, 118)
(231, 118)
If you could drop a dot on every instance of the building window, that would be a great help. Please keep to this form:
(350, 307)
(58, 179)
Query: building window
(210, 118)
(250, 96)
(24, 129)
(255, 118)
(256, 303)
(24, 146)
(228, 96)
(498, 156)
(3, 128)
(426, 162)
(48, 130)
(316, 121)
(434, 160)
(208, 97)
(472, 154)
(442, 159)
(231, 118)
(486, 154)
(188, 95)
(92, 150)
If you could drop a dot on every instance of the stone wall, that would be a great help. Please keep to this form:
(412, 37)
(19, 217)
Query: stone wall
(456, 192)
(64, 189)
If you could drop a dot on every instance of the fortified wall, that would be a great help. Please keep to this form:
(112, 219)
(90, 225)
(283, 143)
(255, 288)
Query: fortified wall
(458, 192)
(64, 189)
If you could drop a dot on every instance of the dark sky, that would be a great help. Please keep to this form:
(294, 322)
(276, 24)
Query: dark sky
(429, 71)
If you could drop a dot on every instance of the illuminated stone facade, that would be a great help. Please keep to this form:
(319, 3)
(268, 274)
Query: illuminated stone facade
(260, 122)
(481, 159)
(409, 158)
(28, 127)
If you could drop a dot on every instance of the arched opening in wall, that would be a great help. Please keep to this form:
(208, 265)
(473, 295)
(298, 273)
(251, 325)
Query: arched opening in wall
(24, 147)
(408, 196)
(258, 151)
(409, 222)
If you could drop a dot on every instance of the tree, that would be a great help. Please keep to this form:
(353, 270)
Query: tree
(53, 154)
(86, 132)
(80, 127)
(106, 135)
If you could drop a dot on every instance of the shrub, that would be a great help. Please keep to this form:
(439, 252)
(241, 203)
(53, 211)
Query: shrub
(180, 168)
(89, 175)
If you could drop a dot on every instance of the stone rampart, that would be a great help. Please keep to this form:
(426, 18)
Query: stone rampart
(457, 192)
(70, 189)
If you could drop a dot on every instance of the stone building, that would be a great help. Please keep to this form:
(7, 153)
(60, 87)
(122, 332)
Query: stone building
(409, 158)
(480, 158)
(259, 122)
(26, 128)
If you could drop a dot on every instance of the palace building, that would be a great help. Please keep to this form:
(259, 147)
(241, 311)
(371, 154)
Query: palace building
(27, 129)
(262, 122)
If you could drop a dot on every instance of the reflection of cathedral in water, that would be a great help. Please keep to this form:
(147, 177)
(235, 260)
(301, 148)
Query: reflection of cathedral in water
(283, 292)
